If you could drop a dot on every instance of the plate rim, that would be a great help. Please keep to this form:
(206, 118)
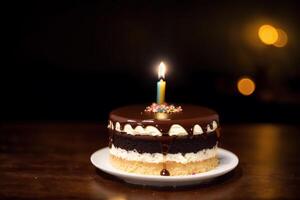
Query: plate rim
(209, 174)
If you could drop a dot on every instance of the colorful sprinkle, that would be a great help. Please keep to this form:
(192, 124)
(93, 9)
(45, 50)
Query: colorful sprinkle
(163, 108)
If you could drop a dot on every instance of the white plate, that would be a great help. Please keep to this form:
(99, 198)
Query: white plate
(228, 161)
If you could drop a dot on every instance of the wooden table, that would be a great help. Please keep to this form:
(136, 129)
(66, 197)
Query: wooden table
(51, 161)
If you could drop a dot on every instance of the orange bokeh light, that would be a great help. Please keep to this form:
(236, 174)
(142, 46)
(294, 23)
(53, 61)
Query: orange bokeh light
(282, 38)
(246, 86)
(268, 34)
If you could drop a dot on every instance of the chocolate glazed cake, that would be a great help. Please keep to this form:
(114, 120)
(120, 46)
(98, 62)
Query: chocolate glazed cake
(164, 140)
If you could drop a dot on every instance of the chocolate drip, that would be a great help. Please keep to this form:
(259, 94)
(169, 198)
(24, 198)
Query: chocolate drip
(190, 131)
(164, 172)
(165, 147)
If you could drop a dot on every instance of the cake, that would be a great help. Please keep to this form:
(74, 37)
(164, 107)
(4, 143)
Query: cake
(163, 139)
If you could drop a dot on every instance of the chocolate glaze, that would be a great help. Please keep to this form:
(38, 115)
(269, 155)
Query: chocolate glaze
(191, 115)
(164, 144)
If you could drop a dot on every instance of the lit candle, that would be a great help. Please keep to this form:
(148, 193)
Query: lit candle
(161, 84)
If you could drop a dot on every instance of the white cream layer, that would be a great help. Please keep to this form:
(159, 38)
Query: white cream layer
(175, 130)
(158, 157)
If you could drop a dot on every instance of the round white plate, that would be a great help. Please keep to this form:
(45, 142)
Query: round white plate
(228, 161)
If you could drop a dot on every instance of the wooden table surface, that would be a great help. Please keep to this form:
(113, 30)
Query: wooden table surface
(51, 161)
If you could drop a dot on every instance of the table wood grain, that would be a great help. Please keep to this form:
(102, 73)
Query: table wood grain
(51, 160)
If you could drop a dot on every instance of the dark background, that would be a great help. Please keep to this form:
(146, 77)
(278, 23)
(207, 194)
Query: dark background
(72, 60)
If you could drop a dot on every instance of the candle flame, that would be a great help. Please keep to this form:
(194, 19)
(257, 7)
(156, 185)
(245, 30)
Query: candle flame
(161, 70)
